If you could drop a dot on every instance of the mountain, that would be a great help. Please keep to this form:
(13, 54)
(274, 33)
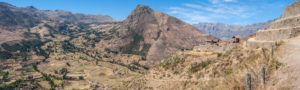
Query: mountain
(66, 16)
(16, 18)
(226, 32)
(58, 49)
(13, 17)
(156, 35)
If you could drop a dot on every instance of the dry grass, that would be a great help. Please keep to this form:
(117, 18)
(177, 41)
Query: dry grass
(226, 72)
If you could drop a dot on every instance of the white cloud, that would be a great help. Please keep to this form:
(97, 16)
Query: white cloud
(230, 0)
(210, 12)
(190, 16)
(220, 1)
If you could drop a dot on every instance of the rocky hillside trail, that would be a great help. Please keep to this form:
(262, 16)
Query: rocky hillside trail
(289, 55)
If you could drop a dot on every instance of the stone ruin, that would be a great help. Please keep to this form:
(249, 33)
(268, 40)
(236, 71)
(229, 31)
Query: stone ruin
(287, 26)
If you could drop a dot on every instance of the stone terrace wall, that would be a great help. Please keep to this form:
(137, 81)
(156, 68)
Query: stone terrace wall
(276, 34)
(289, 22)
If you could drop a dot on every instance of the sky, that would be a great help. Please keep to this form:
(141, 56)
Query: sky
(237, 12)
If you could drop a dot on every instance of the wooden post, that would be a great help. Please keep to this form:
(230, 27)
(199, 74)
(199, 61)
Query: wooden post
(248, 81)
(264, 53)
(272, 52)
(262, 76)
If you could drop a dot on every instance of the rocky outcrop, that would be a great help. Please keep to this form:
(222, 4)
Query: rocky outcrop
(284, 28)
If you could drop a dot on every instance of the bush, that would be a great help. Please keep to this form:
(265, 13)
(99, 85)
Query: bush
(5, 55)
(133, 47)
(197, 67)
(31, 35)
(12, 48)
(69, 47)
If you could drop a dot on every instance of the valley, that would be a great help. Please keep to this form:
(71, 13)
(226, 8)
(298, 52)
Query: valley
(149, 50)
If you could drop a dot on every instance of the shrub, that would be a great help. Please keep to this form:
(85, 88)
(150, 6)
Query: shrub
(5, 55)
(11, 48)
(69, 47)
(196, 67)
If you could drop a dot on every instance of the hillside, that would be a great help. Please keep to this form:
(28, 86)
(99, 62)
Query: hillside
(284, 31)
(155, 35)
(226, 32)
(149, 50)
(224, 67)
(73, 51)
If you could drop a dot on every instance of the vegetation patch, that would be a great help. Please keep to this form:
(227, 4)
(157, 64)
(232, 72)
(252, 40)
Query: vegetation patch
(11, 48)
(24, 47)
(133, 47)
(5, 55)
(69, 47)
(158, 35)
(172, 62)
(196, 67)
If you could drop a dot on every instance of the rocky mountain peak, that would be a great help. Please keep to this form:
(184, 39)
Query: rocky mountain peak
(292, 10)
(141, 9)
(140, 12)
(155, 35)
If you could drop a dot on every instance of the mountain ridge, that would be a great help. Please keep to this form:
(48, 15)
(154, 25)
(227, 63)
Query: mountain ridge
(226, 32)
(30, 16)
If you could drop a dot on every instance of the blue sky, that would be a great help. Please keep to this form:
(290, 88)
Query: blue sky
(239, 12)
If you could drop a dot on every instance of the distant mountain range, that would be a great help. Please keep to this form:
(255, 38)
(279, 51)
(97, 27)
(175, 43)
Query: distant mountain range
(226, 32)
(12, 17)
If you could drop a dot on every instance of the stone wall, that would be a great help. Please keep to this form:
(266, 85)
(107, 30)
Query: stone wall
(254, 44)
(288, 22)
(276, 34)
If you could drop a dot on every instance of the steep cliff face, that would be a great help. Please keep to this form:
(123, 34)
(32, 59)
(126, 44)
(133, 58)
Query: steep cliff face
(156, 35)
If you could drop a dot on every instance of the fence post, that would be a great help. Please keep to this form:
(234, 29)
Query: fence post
(264, 53)
(272, 51)
(262, 76)
(248, 81)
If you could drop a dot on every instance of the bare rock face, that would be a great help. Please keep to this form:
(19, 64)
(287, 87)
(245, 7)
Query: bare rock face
(156, 35)
(289, 18)
(292, 10)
